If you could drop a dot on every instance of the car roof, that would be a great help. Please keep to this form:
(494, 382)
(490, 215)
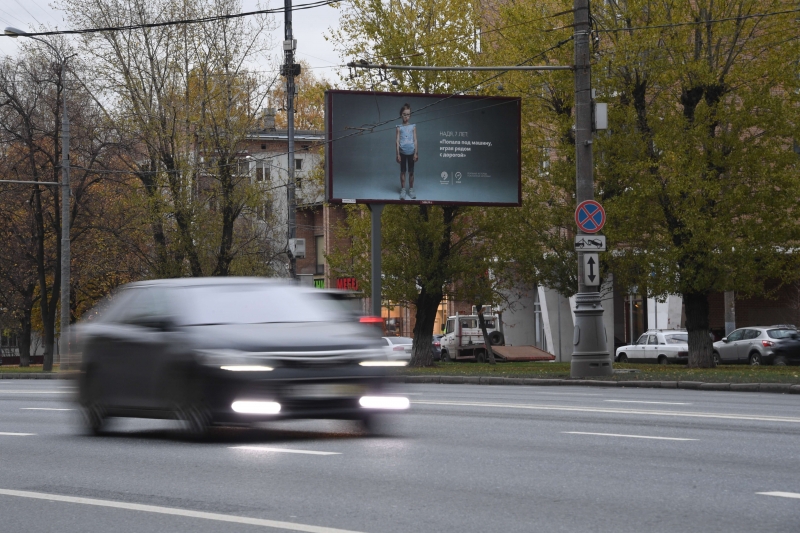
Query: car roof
(210, 282)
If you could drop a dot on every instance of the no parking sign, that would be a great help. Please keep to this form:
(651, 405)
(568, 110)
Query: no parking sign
(590, 216)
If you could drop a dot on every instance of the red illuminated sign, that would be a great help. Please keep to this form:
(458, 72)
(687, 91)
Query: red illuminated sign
(350, 284)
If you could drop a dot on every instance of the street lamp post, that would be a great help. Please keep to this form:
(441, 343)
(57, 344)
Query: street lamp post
(63, 341)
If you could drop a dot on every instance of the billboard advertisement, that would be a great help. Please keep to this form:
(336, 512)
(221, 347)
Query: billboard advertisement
(422, 148)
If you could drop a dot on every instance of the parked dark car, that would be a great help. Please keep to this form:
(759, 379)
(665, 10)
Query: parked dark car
(437, 347)
(230, 351)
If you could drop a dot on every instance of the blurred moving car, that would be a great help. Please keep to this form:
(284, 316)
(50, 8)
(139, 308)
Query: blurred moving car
(656, 346)
(230, 351)
(786, 351)
(398, 348)
(752, 345)
(437, 347)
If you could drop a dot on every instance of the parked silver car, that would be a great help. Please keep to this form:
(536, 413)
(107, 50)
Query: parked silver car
(752, 345)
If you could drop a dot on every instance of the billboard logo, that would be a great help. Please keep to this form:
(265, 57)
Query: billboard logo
(445, 179)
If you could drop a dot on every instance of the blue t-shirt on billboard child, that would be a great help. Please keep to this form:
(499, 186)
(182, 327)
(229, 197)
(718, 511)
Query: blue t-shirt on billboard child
(407, 139)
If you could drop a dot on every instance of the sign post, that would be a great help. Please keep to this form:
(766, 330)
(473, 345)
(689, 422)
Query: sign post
(590, 355)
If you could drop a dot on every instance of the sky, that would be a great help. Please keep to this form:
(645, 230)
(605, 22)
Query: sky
(308, 26)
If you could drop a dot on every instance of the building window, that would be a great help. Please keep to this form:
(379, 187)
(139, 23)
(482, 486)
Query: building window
(319, 248)
(263, 146)
(264, 211)
(244, 167)
(298, 164)
(262, 170)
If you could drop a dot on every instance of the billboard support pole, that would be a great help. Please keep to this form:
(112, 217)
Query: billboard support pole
(376, 211)
(590, 355)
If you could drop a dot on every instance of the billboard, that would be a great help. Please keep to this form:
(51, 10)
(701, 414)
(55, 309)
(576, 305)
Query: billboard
(422, 148)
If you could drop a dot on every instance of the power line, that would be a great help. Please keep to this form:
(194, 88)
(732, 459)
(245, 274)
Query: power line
(212, 18)
(699, 22)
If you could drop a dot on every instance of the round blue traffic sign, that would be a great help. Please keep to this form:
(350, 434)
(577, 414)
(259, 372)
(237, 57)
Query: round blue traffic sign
(590, 216)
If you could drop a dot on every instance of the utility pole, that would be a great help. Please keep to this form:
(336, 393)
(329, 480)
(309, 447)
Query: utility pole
(289, 70)
(590, 355)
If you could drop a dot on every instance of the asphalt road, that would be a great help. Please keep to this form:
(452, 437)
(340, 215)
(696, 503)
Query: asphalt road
(465, 459)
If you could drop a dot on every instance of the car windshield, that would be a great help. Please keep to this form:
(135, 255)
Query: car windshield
(677, 338)
(781, 333)
(401, 340)
(255, 304)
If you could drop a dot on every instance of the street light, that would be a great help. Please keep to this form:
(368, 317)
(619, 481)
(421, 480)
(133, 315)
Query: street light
(63, 341)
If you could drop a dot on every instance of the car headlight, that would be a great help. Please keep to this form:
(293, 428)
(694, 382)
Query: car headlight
(232, 360)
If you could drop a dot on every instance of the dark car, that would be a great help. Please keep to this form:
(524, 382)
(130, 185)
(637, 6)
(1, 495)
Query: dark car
(437, 347)
(229, 351)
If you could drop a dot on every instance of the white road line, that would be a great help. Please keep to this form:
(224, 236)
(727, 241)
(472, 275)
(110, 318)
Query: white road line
(621, 411)
(175, 512)
(281, 450)
(619, 435)
(793, 495)
(44, 409)
(31, 392)
(16, 434)
(640, 401)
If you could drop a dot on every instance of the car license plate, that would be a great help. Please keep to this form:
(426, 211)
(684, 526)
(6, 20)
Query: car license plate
(327, 390)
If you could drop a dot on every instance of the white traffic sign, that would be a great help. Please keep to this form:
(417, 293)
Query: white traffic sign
(590, 243)
(591, 270)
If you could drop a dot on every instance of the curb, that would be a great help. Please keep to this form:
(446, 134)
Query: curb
(36, 375)
(780, 388)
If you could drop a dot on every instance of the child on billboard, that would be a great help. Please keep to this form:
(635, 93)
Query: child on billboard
(406, 145)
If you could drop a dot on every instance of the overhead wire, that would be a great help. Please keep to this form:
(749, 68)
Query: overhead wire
(210, 18)
(699, 22)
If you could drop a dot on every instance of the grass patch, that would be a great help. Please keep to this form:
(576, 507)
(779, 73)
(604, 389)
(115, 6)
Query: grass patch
(721, 374)
(14, 369)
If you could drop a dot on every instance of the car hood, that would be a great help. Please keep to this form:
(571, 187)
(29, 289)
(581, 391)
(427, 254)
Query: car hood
(282, 337)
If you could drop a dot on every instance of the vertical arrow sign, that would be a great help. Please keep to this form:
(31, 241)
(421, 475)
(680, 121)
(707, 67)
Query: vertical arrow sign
(591, 270)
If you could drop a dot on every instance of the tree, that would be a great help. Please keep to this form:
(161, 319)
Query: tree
(31, 112)
(309, 103)
(697, 175)
(184, 99)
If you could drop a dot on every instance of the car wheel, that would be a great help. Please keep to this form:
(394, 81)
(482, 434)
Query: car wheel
(92, 410)
(662, 360)
(446, 356)
(755, 359)
(190, 409)
(780, 361)
(480, 356)
(715, 359)
(622, 358)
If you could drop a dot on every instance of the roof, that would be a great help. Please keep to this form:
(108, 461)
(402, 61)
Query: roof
(208, 282)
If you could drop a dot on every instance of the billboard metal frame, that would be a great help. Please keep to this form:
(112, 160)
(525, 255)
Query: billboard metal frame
(329, 158)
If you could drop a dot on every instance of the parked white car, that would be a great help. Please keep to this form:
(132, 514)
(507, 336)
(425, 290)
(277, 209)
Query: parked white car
(398, 348)
(656, 346)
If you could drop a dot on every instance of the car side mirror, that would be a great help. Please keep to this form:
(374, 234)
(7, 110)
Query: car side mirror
(724, 339)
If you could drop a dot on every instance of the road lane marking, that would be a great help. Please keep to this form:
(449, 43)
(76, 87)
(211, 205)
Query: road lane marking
(44, 409)
(618, 410)
(277, 524)
(31, 392)
(793, 495)
(620, 435)
(282, 450)
(642, 401)
(7, 434)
